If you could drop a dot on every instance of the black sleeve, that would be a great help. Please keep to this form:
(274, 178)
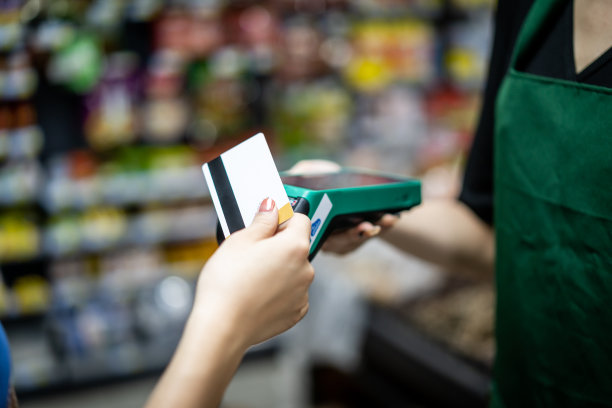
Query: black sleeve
(477, 191)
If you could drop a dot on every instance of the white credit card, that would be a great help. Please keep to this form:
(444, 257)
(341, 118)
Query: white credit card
(240, 179)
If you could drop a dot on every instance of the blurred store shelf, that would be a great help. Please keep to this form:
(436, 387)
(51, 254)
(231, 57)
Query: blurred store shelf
(109, 108)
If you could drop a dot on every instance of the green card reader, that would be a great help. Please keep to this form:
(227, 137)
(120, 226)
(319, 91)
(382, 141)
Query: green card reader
(341, 200)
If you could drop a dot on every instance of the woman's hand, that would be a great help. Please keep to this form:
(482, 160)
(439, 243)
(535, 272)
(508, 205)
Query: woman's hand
(253, 287)
(344, 242)
(259, 277)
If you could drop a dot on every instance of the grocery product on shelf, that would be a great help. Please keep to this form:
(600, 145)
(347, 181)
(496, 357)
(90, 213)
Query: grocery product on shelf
(20, 134)
(19, 236)
(20, 182)
(165, 114)
(135, 175)
(467, 54)
(110, 120)
(386, 52)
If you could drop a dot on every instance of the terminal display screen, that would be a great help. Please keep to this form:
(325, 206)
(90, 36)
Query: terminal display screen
(344, 179)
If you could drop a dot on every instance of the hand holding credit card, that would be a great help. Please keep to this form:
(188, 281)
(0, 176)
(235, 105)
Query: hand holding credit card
(240, 179)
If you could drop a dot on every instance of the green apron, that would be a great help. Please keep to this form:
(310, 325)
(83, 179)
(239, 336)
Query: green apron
(553, 223)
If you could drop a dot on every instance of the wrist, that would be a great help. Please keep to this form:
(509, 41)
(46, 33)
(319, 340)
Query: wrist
(207, 356)
(207, 321)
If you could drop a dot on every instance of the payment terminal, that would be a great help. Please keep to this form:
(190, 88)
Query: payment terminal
(340, 200)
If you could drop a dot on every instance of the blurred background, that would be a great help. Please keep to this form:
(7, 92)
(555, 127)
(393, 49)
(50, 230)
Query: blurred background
(108, 108)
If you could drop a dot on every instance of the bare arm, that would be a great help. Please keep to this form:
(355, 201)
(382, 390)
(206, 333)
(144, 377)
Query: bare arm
(254, 287)
(203, 364)
(442, 231)
(445, 232)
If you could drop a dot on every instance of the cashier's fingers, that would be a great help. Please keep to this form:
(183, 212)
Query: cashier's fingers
(342, 243)
(387, 221)
(367, 230)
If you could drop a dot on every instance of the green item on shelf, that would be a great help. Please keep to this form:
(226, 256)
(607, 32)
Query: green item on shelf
(79, 64)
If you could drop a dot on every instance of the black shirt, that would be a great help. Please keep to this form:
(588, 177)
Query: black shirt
(552, 56)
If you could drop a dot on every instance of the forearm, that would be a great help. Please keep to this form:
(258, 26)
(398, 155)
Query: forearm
(254, 287)
(445, 232)
(208, 354)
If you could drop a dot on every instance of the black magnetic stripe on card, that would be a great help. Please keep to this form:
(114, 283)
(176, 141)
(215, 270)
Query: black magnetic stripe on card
(227, 199)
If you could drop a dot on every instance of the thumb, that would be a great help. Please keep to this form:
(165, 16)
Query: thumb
(265, 222)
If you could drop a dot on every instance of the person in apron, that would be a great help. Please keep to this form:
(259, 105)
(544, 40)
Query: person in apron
(553, 225)
(551, 208)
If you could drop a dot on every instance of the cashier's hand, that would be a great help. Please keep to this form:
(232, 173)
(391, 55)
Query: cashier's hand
(259, 277)
(347, 241)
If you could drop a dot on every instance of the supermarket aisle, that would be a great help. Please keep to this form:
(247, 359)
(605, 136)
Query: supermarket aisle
(105, 221)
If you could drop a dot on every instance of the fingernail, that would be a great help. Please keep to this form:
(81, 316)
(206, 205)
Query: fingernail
(266, 205)
(372, 232)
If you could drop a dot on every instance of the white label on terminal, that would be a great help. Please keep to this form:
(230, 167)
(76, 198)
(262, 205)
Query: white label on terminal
(319, 217)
